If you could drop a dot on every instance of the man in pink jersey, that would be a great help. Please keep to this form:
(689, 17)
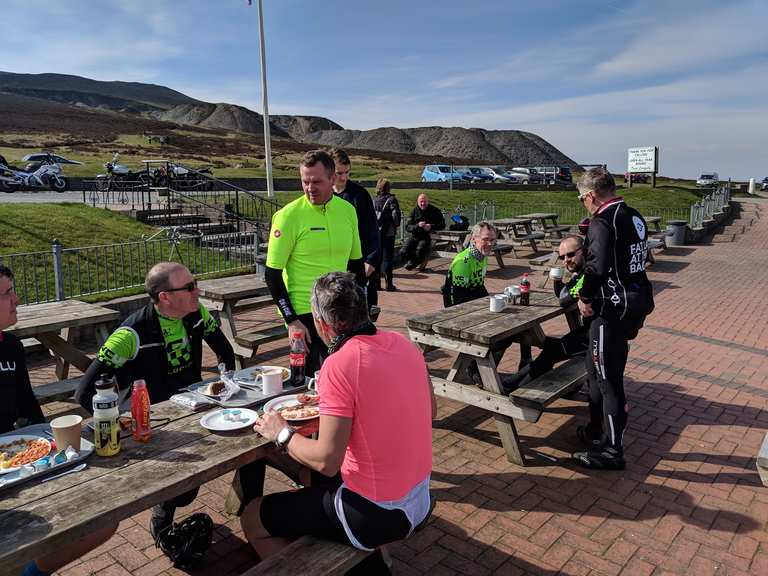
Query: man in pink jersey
(376, 410)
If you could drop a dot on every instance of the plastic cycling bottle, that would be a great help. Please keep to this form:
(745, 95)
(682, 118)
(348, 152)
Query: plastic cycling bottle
(106, 428)
(140, 410)
(525, 290)
(297, 360)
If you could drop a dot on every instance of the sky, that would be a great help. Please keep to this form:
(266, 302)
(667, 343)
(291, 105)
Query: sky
(592, 77)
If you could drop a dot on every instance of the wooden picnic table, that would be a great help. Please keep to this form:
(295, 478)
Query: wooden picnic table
(472, 330)
(547, 223)
(654, 221)
(228, 292)
(38, 518)
(521, 231)
(54, 325)
(452, 239)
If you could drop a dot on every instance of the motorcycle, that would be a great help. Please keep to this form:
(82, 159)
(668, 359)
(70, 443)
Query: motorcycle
(118, 174)
(44, 172)
(182, 178)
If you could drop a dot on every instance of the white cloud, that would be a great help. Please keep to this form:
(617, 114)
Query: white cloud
(699, 37)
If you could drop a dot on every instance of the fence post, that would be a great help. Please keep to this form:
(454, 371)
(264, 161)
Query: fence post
(58, 273)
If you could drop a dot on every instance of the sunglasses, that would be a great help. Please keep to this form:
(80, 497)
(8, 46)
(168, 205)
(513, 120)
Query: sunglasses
(568, 254)
(583, 197)
(189, 287)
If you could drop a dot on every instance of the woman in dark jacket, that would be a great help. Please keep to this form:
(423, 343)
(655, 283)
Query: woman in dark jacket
(388, 215)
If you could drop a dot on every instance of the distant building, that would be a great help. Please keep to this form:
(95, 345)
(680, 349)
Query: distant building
(157, 138)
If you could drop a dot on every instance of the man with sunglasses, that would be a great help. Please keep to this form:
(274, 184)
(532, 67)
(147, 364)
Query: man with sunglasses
(162, 343)
(572, 344)
(367, 224)
(617, 295)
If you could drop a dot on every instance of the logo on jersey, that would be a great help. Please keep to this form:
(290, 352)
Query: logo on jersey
(277, 233)
(639, 226)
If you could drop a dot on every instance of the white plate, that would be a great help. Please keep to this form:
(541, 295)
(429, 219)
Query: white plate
(251, 375)
(215, 422)
(8, 439)
(287, 401)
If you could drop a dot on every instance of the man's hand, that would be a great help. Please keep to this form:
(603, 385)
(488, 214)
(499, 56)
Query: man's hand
(427, 227)
(269, 425)
(369, 269)
(296, 329)
(585, 309)
(421, 224)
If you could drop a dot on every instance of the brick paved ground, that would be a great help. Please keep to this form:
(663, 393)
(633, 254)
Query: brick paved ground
(690, 501)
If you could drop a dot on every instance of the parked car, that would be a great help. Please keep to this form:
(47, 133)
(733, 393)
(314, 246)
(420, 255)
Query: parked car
(708, 180)
(479, 174)
(555, 174)
(497, 174)
(532, 176)
(513, 177)
(440, 173)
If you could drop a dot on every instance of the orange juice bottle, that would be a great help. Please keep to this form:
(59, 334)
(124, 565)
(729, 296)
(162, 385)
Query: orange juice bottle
(140, 411)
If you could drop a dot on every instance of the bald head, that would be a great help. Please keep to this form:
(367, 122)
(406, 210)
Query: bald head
(158, 277)
(571, 251)
(422, 201)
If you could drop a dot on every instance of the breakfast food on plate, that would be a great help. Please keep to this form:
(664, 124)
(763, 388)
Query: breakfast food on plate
(20, 452)
(213, 389)
(308, 399)
(299, 412)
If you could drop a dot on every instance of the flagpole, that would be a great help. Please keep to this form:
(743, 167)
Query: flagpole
(265, 107)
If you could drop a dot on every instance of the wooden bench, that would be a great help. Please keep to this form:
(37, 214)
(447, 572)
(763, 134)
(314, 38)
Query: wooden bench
(762, 461)
(254, 338)
(245, 304)
(59, 390)
(655, 244)
(543, 263)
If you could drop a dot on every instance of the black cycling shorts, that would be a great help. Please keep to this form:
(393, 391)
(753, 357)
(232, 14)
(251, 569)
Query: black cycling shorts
(310, 511)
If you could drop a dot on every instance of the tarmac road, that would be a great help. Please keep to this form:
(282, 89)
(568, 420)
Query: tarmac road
(39, 197)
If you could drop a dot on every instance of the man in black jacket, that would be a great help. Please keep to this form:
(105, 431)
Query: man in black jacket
(162, 343)
(424, 218)
(617, 295)
(367, 226)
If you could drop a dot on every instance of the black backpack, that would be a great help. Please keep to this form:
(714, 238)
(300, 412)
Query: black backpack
(185, 542)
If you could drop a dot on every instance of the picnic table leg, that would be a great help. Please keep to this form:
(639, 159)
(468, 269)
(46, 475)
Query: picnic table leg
(458, 372)
(62, 366)
(63, 349)
(504, 424)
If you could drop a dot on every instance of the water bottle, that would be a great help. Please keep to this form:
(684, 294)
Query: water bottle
(525, 290)
(140, 411)
(297, 360)
(106, 428)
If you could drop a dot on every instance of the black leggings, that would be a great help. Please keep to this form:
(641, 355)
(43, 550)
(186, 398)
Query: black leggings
(605, 362)
(415, 250)
(387, 259)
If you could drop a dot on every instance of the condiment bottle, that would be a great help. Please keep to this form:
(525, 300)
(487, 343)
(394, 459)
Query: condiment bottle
(140, 411)
(106, 428)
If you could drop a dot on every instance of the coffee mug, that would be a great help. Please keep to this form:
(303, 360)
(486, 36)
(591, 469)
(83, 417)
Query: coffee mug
(497, 302)
(556, 273)
(271, 382)
(312, 384)
(513, 294)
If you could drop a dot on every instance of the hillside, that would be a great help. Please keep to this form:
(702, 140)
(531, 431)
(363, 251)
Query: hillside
(77, 109)
(485, 146)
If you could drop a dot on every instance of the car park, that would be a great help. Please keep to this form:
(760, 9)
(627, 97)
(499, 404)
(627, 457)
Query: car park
(708, 180)
(555, 174)
(440, 173)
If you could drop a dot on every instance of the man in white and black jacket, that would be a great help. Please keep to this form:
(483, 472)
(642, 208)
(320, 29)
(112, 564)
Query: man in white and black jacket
(618, 296)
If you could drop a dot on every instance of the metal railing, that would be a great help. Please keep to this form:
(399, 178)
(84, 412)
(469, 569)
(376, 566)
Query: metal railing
(713, 203)
(62, 273)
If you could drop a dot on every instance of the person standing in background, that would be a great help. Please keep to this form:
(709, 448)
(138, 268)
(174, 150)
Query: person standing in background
(388, 216)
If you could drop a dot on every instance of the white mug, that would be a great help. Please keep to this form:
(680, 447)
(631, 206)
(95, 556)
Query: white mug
(312, 384)
(271, 382)
(497, 302)
(513, 293)
(556, 273)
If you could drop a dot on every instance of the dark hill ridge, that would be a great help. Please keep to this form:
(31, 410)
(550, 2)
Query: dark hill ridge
(152, 105)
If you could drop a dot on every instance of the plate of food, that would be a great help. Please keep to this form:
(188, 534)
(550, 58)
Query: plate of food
(227, 420)
(21, 449)
(295, 407)
(252, 375)
(212, 389)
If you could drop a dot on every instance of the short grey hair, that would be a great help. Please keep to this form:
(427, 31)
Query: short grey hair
(158, 278)
(339, 301)
(483, 225)
(598, 181)
(575, 238)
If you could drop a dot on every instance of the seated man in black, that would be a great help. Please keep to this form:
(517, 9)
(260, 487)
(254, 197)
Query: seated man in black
(19, 409)
(162, 343)
(424, 218)
(574, 343)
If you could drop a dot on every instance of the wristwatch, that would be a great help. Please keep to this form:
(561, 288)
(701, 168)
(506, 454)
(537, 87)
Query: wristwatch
(283, 437)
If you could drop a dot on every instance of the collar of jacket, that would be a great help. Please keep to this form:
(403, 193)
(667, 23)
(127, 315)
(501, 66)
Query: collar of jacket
(611, 202)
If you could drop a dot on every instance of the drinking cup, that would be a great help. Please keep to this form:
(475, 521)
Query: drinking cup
(513, 293)
(497, 302)
(271, 382)
(67, 430)
(312, 384)
(556, 273)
